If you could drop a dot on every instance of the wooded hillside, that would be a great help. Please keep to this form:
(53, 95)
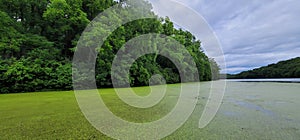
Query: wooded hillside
(38, 39)
(283, 69)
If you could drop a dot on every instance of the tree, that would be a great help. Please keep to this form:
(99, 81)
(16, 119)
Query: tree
(215, 69)
(65, 21)
(93, 7)
(10, 38)
(38, 38)
(282, 69)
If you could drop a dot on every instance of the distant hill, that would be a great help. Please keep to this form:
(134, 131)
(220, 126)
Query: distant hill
(283, 69)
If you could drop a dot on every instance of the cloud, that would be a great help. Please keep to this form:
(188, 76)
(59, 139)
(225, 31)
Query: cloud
(253, 33)
(190, 20)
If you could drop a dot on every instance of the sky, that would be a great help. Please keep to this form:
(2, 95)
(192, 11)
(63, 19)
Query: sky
(251, 33)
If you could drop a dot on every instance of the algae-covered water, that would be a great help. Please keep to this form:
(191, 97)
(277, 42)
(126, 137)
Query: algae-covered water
(251, 110)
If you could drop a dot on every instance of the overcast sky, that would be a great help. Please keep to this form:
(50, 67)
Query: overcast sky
(252, 33)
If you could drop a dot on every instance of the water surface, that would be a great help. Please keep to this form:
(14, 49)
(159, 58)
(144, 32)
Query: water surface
(251, 110)
(281, 80)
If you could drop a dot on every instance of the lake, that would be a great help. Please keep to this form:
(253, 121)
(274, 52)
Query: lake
(283, 80)
(262, 109)
(249, 110)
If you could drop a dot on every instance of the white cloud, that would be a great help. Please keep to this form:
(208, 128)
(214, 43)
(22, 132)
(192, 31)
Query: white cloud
(253, 33)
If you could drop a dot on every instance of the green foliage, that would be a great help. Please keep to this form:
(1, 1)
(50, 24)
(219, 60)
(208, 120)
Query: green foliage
(36, 75)
(93, 7)
(215, 68)
(10, 38)
(283, 69)
(38, 38)
(65, 21)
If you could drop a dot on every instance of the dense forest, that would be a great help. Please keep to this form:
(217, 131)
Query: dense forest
(283, 69)
(38, 39)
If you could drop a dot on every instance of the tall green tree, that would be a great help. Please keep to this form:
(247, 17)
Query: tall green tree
(65, 21)
(38, 38)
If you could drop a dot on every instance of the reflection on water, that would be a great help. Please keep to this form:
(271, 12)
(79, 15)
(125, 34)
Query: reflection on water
(231, 113)
(253, 106)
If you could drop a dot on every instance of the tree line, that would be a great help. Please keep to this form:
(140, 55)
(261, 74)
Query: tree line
(283, 69)
(38, 39)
